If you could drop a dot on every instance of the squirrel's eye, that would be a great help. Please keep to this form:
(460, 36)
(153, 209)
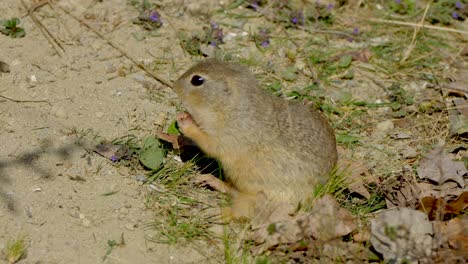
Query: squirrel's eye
(197, 80)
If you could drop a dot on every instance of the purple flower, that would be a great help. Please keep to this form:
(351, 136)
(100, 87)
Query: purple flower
(398, 1)
(155, 16)
(356, 31)
(254, 5)
(297, 18)
(458, 5)
(330, 6)
(214, 25)
(265, 43)
(113, 158)
(455, 15)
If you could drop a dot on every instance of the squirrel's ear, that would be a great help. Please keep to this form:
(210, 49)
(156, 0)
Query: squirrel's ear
(197, 80)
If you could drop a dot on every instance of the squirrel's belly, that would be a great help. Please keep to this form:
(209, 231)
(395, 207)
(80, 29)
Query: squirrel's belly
(250, 176)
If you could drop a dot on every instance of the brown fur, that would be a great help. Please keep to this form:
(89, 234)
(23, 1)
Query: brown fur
(266, 144)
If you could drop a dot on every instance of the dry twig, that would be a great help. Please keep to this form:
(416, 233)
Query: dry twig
(407, 52)
(119, 49)
(52, 40)
(409, 24)
(23, 101)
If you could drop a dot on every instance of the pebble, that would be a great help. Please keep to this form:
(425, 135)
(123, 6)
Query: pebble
(124, 211)
(99, 114)
(86, 222)
(59, 112)
(409, 153)
(384, 126)
(141, 178)
(130, 226)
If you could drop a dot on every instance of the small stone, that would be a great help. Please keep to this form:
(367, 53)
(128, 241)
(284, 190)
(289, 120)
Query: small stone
(86, 222)
(99, 79)
(99, 114)
(130, 226)
(409, 153)
(124, 211)
(141, 178)
(81, 216)
(59, 112)
(33, 79)
(384, 126)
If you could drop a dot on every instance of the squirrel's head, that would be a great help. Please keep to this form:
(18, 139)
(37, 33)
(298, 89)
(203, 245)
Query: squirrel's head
(213, 89)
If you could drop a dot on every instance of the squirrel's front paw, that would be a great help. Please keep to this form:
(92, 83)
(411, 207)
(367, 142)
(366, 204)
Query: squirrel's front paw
(185, 122)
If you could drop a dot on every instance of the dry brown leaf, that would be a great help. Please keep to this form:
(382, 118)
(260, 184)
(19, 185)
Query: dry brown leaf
(464, 52)
(439, 167)
(363, 55)
(357, 174)
(326, 221)
(177, 141)
(402, 234)
(454, 232)
(448, 189)
(461, 81)
(461, 105)
(113, 152)
(441, 208)
(401, 191)
(362, 235)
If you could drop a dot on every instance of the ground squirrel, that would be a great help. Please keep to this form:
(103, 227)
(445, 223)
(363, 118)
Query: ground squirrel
(266, 145)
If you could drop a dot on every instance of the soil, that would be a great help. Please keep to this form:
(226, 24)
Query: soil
(52, 192)
(65, 94)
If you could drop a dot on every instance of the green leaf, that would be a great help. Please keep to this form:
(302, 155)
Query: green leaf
(345, 61)
(290, 74)
(173, 128)
(18, 33)
(152, 155)
(5, 31)
(15, 21)
(11, 23)
(395, 106)
(400, 113)
(346, 139)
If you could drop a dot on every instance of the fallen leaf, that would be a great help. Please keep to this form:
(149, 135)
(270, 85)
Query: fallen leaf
(177, 141)
(464, 52)
(454, 232)
(325, 222)
(441, 208)
(461, 106)
(361, 55)
(113, 152)
(328, 220)
(151, 154)
(448, 189)
(401, 191)
(4, 67)
(461, 81)
(402, 234)
(458, 123)
(400, 135)
(439, 167)
(362, 235)
(356, 174)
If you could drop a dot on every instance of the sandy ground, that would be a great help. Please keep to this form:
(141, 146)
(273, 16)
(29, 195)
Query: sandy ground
(65, 220)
